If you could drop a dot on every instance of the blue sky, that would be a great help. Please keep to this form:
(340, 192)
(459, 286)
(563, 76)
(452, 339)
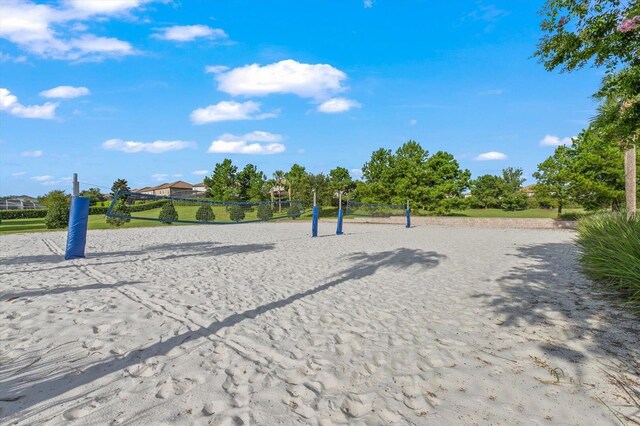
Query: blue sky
(156, 91)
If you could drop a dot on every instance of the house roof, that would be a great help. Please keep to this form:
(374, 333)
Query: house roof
(179, 184)
(200, 185)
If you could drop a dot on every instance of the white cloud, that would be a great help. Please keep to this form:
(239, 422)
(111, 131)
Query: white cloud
(5, 57)
(258, 142)
(317, 81)
(156, 147)
(190, 33)
(229, 111)
(200, 172)
(178, 175)
(336, 105)
(215, 69)
(368, 4)
(413, 122)
(356, 173)
(57, 31)
(553, 140)
(46, 180)
(19, 174)
(104, 46)
(104, 6)
(65, 92)
(160, 177)
(260, 136)
(491, 156)
(36, 153)
(9, 103)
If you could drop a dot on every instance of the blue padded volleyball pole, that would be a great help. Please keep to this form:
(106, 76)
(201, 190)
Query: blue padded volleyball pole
(339, 228)
(78, 221)
(408, 213)
(316, 214)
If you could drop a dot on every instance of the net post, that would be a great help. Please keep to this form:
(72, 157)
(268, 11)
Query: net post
(78, 222)
(316, 214)
(339, 228)
(408, 214)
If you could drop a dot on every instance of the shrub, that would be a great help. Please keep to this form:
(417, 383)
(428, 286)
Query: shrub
(205, 214)
(236, 213)
(23, 214)
(150, 205)
(609, 246)
(264, 212)
(120, 208)
(57, 214)
(515, 201)
(294, 211)
(168, 213)
(98, 209)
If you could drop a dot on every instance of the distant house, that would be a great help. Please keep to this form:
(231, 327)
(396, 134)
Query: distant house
(200, 188)
(175, 189)
(529, 190)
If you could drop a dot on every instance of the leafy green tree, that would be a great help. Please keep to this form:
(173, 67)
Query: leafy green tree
(298, 181)
(119, 184)
(236, 213)
(94, 195)
(58, 204)
(251, 184)
(168, 213)
(378, 177)
(223, 183)
(340, 180)
(513, 197)
(597, 172)
(324, 193)
(612, 124)
(444, 183)
(264, 212)
(605, 33)
(435, 183)
(205, 214)
(120, 208)
(487, 191)
(554, 177)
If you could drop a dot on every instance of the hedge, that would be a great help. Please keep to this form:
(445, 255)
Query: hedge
(23, 214)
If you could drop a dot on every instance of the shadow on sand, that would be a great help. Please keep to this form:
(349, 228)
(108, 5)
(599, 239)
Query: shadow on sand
(26, 392)
(550, 291)
(201, 248)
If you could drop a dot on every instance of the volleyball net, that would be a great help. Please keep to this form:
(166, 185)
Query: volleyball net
(128, 205)
(376, 210)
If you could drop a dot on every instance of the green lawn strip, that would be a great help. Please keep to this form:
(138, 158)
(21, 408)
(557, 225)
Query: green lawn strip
(11, 226)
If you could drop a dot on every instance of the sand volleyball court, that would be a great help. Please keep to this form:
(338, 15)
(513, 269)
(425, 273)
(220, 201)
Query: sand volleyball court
(260, 324)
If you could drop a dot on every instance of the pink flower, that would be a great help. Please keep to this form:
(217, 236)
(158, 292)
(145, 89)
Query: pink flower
(629, 24)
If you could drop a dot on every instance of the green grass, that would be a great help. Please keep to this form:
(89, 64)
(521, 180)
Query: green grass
(189, 213)
(528, 213)
(609, 247)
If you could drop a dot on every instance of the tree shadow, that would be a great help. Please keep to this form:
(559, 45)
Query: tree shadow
(35, 292)
(26, 392)
(550, 291)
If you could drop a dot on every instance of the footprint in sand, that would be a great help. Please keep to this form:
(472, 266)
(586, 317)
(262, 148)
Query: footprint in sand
(356, 405)
(81, 410)
(93, 344)
(213, 407)
(171, 386)
(144, 369)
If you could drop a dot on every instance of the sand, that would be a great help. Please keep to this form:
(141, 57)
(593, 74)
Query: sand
(261, 324)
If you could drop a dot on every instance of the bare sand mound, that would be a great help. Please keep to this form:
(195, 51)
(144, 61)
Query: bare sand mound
(260, 324)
